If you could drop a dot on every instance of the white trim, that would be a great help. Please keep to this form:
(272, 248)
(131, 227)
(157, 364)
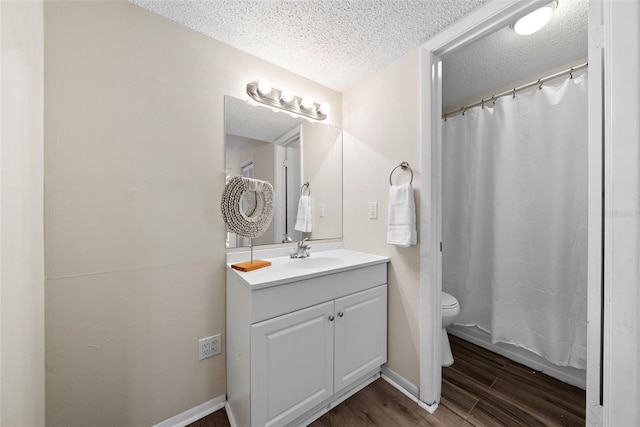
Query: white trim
(194, 414)
(408, 389)
(401, 383)
(429, 408)
(232, 419)
(483, 21)
(594, 411)
(430, 262)
(621, 373)
(279, 185)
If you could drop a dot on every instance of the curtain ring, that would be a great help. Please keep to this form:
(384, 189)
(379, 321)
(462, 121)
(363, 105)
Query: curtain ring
(482, 103)
(540, 81)
(571, 73)
(514, 93)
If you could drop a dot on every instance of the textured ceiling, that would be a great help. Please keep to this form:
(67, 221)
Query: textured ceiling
(505, 58)
(335, 43)
(338, 43)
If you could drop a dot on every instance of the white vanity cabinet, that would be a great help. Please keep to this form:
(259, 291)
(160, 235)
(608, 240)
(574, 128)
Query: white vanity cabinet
(360, 335)
(291, 364)
(295, 347)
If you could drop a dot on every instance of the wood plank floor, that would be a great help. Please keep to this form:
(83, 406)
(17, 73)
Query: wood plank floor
(480, 389)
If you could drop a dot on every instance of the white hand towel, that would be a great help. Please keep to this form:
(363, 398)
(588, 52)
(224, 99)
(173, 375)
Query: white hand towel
(401, 229)
(303, 220)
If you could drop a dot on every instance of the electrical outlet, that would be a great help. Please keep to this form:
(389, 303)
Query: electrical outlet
(373, 210)
(204, 347)
(209, 346)
(216, 345)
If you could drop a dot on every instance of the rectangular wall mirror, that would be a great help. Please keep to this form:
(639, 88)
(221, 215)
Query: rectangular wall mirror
(288, 151)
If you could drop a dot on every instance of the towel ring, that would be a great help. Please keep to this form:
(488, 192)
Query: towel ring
(404, 166)
(306, 184)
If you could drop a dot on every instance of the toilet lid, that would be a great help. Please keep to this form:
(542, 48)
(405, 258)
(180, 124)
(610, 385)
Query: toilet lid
(448, 300)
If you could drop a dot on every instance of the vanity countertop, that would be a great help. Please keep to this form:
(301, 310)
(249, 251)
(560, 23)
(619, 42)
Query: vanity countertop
(284, 269)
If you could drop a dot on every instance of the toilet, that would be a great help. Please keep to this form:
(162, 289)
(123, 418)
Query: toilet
(450, 310)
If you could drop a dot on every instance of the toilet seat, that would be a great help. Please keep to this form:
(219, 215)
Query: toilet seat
(448, 301)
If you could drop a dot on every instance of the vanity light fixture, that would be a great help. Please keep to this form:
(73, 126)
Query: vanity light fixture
(264, 87)
(284, 99)
(286, 96)
(535, 20)
(325, 108)
(307, 103)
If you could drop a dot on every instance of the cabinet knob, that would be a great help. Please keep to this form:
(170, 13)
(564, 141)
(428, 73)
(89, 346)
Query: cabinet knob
(331, 318)
(340, 314)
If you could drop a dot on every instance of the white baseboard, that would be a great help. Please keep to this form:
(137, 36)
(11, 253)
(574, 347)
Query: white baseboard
(194, 414)
(232, 419)
(407, 388)
(429, 408)
(401, 383)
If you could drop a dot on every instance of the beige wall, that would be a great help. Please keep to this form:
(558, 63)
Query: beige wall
(134, 172)
(21, 252)
(381, 129)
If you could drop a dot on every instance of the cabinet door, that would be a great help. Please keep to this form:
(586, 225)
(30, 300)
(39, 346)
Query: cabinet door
(291, 364)
(360, 335)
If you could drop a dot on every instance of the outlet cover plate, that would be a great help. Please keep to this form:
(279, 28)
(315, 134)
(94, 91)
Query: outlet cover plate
(209, 346)
(216, 345)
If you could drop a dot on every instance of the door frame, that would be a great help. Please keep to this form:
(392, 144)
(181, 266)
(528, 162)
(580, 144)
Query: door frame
(485, 20)
(279, 184)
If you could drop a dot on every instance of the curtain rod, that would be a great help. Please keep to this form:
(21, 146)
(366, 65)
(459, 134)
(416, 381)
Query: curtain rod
(515, 90)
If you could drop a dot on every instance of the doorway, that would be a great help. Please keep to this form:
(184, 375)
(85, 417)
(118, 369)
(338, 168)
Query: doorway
(287, 182)
(486, 20)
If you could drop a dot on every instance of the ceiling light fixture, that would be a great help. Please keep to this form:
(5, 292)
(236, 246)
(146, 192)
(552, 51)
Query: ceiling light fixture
(534, 21)
(263, 93)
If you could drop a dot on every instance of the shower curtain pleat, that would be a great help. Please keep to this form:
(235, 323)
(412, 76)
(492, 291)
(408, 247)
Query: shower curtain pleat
(515, 219)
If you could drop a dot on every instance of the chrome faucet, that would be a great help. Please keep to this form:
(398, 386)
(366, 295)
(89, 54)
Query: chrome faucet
(302, 250)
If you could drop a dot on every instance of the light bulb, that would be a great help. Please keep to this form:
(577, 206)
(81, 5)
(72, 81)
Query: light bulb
(534, 21)
(286, 95)
(264, 87)
(306, 103)
(325, 108)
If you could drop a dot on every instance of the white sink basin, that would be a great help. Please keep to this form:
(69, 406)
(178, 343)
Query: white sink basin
(313, 262)
(284, 270)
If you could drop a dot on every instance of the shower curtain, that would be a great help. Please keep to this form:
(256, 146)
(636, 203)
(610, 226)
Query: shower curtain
(515, 219)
